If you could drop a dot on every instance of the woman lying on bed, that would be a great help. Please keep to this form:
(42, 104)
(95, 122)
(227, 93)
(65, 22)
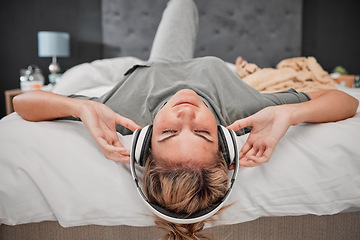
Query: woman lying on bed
(185, 99)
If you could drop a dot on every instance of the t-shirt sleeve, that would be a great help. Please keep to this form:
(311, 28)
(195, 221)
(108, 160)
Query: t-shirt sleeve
(286, 97)
(278, 98)
(96, 99)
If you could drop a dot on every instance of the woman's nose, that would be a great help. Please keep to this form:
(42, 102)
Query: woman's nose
(186, 113)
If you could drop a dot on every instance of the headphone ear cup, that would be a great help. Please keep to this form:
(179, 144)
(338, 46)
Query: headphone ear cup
(228, 144)
(142, 145)
(223, 146)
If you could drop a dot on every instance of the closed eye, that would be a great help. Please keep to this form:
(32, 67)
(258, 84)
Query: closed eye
(168, 131)
(174, 133)
(203, 131)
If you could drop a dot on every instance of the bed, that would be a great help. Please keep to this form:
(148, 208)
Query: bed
(56, 184)
(55, 180)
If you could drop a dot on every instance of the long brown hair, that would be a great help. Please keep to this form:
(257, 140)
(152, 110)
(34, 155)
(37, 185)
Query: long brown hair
(184, 190)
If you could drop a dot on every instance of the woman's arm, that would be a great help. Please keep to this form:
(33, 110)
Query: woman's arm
(271, 123)
(41, 106)
(325, 106)
(99, 119)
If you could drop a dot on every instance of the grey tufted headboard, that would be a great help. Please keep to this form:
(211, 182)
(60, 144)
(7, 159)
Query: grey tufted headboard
(262, 31)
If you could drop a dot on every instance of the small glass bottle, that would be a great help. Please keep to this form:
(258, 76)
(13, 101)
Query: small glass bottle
(25, 84)
(31, 78)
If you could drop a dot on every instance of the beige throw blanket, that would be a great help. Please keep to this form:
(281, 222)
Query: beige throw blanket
(304, 74)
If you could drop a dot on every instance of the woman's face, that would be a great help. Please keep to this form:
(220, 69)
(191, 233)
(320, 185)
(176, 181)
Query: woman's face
(185, 131)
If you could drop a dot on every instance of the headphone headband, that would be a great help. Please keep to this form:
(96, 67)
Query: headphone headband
(139, 153)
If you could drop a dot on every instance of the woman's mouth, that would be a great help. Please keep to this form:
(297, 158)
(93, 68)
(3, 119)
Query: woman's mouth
(185, 102)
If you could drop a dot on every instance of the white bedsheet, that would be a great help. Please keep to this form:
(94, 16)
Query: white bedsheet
(55, 171)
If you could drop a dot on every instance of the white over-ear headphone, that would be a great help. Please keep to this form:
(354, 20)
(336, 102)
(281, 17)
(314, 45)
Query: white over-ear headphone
(141, 144)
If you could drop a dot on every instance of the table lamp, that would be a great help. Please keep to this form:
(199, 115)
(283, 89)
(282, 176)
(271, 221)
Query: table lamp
(53, 44)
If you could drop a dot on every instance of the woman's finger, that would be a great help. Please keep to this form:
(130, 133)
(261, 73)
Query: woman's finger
(117, 143)
(111, 148)
(118, 157)
(245, 148)
(116, 154)
(262, 158)
(245, 160)
(241, 123)
(259, 160)
(231, 167)
(248, 163)
(259, 153)
(251, 152)
(126, 123)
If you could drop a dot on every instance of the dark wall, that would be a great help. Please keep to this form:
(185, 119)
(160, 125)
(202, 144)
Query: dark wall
(331, 33)
(22, 19)
(261, 31)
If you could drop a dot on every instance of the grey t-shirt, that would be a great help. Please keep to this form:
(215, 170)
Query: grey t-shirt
(146, 88)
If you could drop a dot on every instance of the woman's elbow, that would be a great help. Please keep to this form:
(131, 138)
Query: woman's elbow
(17, 102)
(349, 103)
(354, 105)
(23, 105)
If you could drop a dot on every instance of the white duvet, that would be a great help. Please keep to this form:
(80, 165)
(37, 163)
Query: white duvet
(55, 171)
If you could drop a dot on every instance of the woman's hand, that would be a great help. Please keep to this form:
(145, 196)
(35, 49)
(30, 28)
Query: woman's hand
(101, 121)
(271, 123)
(268, 127)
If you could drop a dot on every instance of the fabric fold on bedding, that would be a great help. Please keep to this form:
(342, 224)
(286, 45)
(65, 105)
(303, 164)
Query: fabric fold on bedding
(304, 74)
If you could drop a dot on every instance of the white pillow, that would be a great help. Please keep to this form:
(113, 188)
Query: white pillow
(105, 72)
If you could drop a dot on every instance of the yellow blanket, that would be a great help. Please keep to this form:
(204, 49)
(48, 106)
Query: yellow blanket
(304, 74)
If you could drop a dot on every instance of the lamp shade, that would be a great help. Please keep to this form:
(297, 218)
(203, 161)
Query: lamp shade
(53, 44)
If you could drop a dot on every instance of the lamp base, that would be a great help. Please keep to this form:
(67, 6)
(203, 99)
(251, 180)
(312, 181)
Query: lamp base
(54, 67)
(54, 77)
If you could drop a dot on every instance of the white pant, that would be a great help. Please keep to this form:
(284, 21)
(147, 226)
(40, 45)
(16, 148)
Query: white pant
(176, 34)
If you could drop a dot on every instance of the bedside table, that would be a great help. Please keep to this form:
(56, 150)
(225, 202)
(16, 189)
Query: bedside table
(9, 95)
(347, 80)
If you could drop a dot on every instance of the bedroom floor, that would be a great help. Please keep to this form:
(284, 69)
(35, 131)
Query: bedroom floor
(345, 226)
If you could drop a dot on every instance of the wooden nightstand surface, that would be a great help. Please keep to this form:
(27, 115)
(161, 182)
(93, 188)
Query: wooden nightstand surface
(9, 95)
